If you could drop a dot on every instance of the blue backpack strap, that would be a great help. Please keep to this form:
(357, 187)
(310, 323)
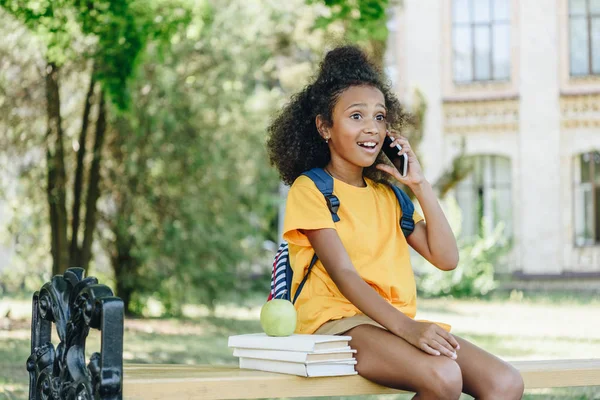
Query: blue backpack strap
(310, 267)
(407, 222)
(324, 183)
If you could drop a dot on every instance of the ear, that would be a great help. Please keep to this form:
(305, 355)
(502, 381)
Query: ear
(322, 127)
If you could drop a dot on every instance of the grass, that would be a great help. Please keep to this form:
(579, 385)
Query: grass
(513, 327)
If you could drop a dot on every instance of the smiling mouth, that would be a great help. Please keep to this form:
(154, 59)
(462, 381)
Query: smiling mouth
(368, 145)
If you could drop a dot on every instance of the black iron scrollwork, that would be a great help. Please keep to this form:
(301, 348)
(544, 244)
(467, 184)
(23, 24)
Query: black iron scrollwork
(75, 304)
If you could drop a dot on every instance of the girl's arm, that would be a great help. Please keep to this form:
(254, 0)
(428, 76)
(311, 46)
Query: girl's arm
(433, 239)
(428, 337)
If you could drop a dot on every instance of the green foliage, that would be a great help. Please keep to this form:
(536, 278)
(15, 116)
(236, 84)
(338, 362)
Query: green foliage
(363, 20)
(188, 205)
(122, 29)
(193, 201)
(27, 267)
(115, 32)
(23, 216)
(51, 21)
(474, 276)
(189, 200)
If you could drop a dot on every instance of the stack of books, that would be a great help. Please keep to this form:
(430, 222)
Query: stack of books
(303, 355)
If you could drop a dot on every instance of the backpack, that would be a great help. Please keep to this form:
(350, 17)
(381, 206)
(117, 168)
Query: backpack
(281, 276)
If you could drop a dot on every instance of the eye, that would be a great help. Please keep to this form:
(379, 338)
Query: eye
(380, 117)
(356, 116)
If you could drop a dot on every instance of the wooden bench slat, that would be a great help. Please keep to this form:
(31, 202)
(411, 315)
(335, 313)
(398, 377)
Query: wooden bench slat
(213, 382)
(559, 373)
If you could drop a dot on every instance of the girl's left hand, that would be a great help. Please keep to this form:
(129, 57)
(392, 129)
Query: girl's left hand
(415, 174)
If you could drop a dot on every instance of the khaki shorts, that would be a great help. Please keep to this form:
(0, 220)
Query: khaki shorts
(343, 325)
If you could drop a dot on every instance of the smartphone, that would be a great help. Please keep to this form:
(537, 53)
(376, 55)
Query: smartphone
(400, 162)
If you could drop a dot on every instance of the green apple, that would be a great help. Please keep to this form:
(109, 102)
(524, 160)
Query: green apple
(278, 317)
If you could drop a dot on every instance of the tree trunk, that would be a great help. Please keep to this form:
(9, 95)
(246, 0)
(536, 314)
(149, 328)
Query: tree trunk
(123, 283)
(93, 186)
(56, 188)
(75, 254)
(125, 264)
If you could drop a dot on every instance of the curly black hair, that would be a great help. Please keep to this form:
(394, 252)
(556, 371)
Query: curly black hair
(294, 144)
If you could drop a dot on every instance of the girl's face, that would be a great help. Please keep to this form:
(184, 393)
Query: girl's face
(359, 126)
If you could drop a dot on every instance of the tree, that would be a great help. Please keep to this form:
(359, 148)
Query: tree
(186, 199)
(193, 199)
(183, 165)
(363, 21)
(113, 34)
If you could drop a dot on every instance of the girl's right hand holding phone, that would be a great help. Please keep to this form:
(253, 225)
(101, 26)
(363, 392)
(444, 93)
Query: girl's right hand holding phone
(431, 338)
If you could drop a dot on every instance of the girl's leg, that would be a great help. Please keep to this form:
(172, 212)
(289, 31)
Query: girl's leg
(389, 360)
(485, 376)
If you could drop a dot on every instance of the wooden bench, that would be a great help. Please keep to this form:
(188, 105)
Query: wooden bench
(156, 381)
(76, 304)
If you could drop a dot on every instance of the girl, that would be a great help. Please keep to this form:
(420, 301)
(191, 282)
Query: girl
(363, 284)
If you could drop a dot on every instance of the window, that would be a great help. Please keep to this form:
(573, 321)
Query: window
(584, 26)
(481, 40)
(587, 199)
(484, 197)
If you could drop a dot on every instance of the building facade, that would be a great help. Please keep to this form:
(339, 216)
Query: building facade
(515, 86)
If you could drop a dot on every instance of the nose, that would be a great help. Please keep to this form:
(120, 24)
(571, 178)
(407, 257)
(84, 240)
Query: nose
(371, 127)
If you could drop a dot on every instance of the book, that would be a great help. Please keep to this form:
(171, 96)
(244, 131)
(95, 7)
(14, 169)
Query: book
(308, 370)
(341, 354)
(295, 342)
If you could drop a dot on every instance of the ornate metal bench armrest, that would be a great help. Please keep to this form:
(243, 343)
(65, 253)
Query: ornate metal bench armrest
(75, 304)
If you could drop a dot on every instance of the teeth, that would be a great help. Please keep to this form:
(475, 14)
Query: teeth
(368, 144)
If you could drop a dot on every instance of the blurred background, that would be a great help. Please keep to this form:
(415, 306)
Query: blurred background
(132, 144)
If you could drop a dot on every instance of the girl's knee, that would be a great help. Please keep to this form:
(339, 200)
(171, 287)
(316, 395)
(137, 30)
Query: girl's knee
(507, 385)
(444, 380)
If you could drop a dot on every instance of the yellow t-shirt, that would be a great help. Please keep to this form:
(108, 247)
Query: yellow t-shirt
(370, 230)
